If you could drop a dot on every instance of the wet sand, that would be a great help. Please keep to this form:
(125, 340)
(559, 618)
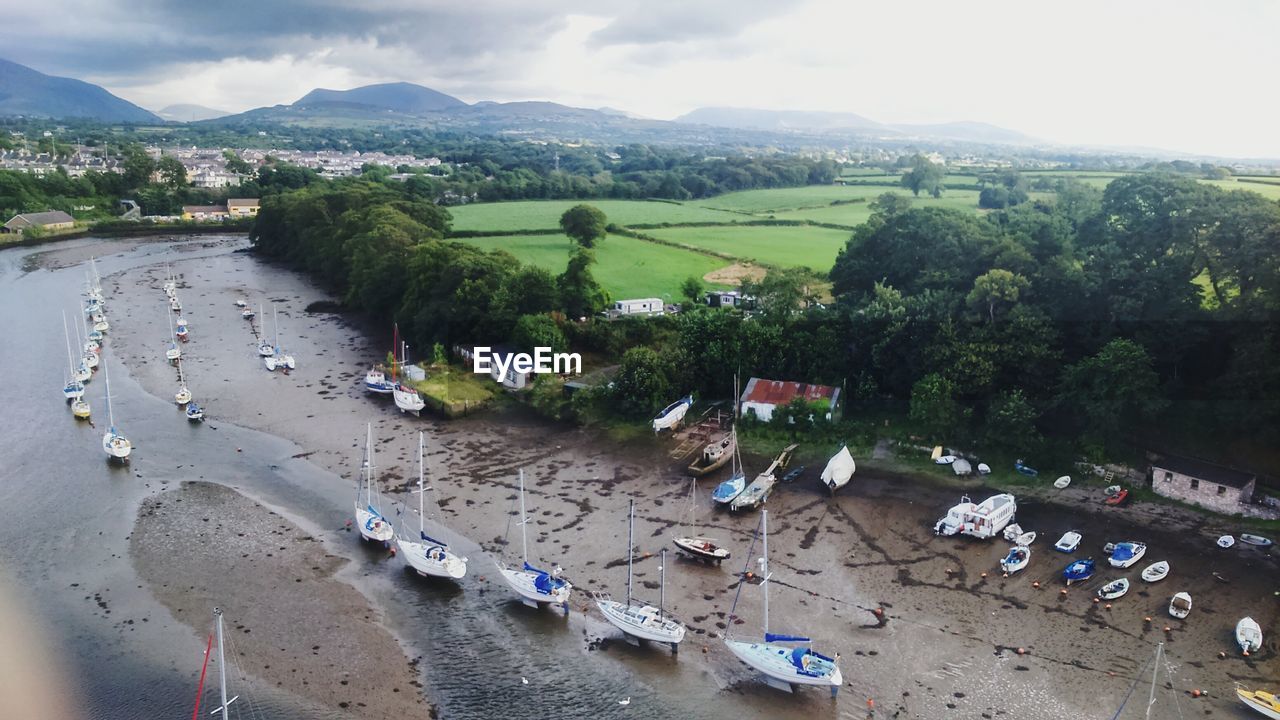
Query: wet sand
(948, 646)
(310, 634)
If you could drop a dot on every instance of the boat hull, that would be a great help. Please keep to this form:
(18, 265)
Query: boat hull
(1263, 703)
(773, 661)
(430, 560)
(373, 528)
(701, 548)
(641, 621)
(523, 583)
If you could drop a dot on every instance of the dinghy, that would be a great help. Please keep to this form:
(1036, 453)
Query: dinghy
(1180, 605)
(1062, 482)
(640, 619)
(1078, 571)
(1112, 490)
(839, 470)
(944, 460)
(427, 556)
(1069, 541)
(1127, 554)
(1155, 572)
(984, 469)
(1261, 702)
(784, 666)
(1248, 635)
(535, 586)
(369, 519)
(1114, 589)
(1226, 541)
(1025, 538)
(693, 544)
(1257, 540)
(672, 414)
(1118, 498)
(195, 413)
(1016, 560)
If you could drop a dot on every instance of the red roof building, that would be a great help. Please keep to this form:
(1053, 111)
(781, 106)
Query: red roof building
(762, 396)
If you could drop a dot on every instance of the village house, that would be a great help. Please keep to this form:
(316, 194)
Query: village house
(204, 213)
(48, 221)
(761, 397)
(242, 207)
(1214, 487)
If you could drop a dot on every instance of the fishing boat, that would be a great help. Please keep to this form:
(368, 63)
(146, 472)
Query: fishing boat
(375, 381)
(369, 519)
(672, 414)
(839, 470)
(1257, 540)
(784, 666)
(1127, 554)
(1226, 541)
(195, 413)
(1114, 589)
(1069, 541)
(1078, 571)
(695, 545)
(1025, 538)
(427, 556)
(1156, 571)
(1261, 702)
(1062, 482)
(714, 455)
(982, 520)
(1248, 635)
(1180, 605)
(1016, 560)
(640, 619)
(533, 585)
(114, 443)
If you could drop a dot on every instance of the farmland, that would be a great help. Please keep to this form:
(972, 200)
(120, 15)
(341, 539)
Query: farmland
(545, 214)
(781, 246)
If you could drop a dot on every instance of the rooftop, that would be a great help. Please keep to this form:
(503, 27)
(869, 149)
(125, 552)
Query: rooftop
(781, 392)
(1204, 470)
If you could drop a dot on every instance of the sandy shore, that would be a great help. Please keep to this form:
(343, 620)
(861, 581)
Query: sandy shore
(948, 647)
(202, 543)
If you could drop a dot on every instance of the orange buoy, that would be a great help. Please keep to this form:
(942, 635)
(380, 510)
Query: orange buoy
(870, 703)
(878, 612)
(1246, 653)
(1167, 628)
(1022, 651)
(984, 575)
(1036, 584)
(1221, 655)
(1096, 601)
(1108, 606)
(1063, 591)
(1195, 693)
(1146, 619)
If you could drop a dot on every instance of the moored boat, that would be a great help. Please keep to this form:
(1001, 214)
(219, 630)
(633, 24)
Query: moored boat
(1126, 554)
(839, 470)
(1180, 605)
(534, 585)
(375, 381)
(426, 555)
(370, 522)
(1025, 538)
(1156, 571)
(1016, 560)
(1114, 589)
(195, 413)
(714, 455)
(1069, 541)
(982, 520)
(1062, 482)
(1257, 540)
(693, 544)
(640, 619)
(1226, 541)
(1118, 498)
(1078, 571)
(408, 399)
(1261, 702)
(1248, 635)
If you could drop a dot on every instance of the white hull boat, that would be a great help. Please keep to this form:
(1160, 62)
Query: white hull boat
(1012, 531)
(640, 619)
(90, 360)
(265, 349)
(701, 547)
(195, 413)
(1114, 589)
(1226, 541)
(114, 444)
(426, 555)
(280, 362)
(1127, 554)
(672, 414)
(1068, 542)
(533, 585)
(370, 522)
(1256, 540)
(1180, 605)
(1062, 482)
(80, 409)
(839, 470)
(373, 527)
(1155, 572)
(1025, 539)
(1248, 635)
(983, 520)
(73, 390)
(408, 399)
(1260, 701)
(375, 381)
(183, 396)
(1016, 560)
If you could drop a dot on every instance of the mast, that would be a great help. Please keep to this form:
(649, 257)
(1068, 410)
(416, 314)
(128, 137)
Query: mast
(66, 334)
(106, 377)
(222, 665)
(368, 445)
(662, 579)
(421, 529)
(1155, 672)
(764, 524)
(631, 554)
(524, 536)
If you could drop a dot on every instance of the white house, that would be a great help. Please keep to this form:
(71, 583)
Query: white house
(641, 306)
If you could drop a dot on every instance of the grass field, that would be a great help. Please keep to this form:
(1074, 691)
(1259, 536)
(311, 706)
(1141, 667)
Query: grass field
(1266, 189)
(783, 246)
(544, 214)
(626, 267)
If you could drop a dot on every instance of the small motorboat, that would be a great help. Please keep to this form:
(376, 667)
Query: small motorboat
(1257, 540)
(1078, 571)
(984, 469)
(944, 460)
(672, 414)
(701, 547)
(1180, 605)
(1248, 635)
(1025, 469)
(1016, 560)
(1069, 541)
(1025, 538)
(1156, 571)
(1226, 541)
(247, 313)
(407, 399)
(1114, 589)
(195, 413)
(240, 303)
(1062, 482)
(375, 381)
(1012, 531)
(1127, 554)
(1118, 498)
(1261, 702)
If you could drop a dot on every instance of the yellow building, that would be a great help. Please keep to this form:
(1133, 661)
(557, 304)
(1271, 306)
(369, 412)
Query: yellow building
(242, 207)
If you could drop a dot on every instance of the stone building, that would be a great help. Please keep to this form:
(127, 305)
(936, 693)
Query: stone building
(1215, 487)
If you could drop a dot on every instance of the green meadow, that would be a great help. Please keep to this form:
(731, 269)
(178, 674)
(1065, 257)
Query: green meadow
(781, 245)
(545, 214)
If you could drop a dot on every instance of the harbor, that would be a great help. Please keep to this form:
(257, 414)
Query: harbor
(120, 565)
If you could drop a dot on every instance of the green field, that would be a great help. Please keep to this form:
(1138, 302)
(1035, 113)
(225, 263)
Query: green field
(545, 214)
(1269, 190)
(763, 202)
(783, 246)
(626, 267)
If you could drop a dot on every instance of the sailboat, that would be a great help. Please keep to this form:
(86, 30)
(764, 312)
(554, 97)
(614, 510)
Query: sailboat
(195, 413)
(88, 358)
(224, 703)
(265, 349)
(100, 324)
(182, 331)
(696, 545)
(174, 353)
(115, 445)
(74, 388)
(170, 286)
(642, 621)
(373, 526)
(535, 586)
(278, 360)
(427, 556)
(183, 396)
(784, 666)
(730, 489)
(405, 396)
(839, 470)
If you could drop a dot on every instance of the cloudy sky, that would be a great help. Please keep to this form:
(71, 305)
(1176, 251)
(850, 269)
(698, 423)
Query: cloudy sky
(1181, 74)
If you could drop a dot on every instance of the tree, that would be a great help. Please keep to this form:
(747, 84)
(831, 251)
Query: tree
(642, 385)
(1113, 390)
(236, 164)
(584, 223)
(535, 331)
(580, 294)
(691, 290)
(1011, 422)
(172, 172)
(996, 287)
(924, 176)
(934, 407)
(781, 293)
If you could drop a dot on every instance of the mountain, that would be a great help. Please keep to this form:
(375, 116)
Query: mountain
(399, 97)
(24, 91)
(968, 131)
(785, 120)
(185, 112)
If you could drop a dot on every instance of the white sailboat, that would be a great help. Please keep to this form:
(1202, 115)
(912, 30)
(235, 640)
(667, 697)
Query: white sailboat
(224, 703)
(88, 358)
(183, 395)
(428, 556)
(265, 349)
(727, 491)
(114, 444)
(74, 387)
(695, 545)
(369, 519)
(406, 396)
(839, 470)
(641, 620)
(535, 586)
(784, 666)
(278, 360)
(174, 352)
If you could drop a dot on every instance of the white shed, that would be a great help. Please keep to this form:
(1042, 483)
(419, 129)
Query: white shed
(641, 306)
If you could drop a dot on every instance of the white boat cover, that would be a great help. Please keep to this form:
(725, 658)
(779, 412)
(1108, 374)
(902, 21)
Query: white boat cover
(961, 467)
(839, 469)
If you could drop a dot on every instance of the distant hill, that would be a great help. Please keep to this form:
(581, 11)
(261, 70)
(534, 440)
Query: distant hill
(400, 97)
(190, 113)
(753, 119)
(24, 91)
(968, 131)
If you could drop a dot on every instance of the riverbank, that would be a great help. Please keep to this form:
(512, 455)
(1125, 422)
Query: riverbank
(945, 647)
